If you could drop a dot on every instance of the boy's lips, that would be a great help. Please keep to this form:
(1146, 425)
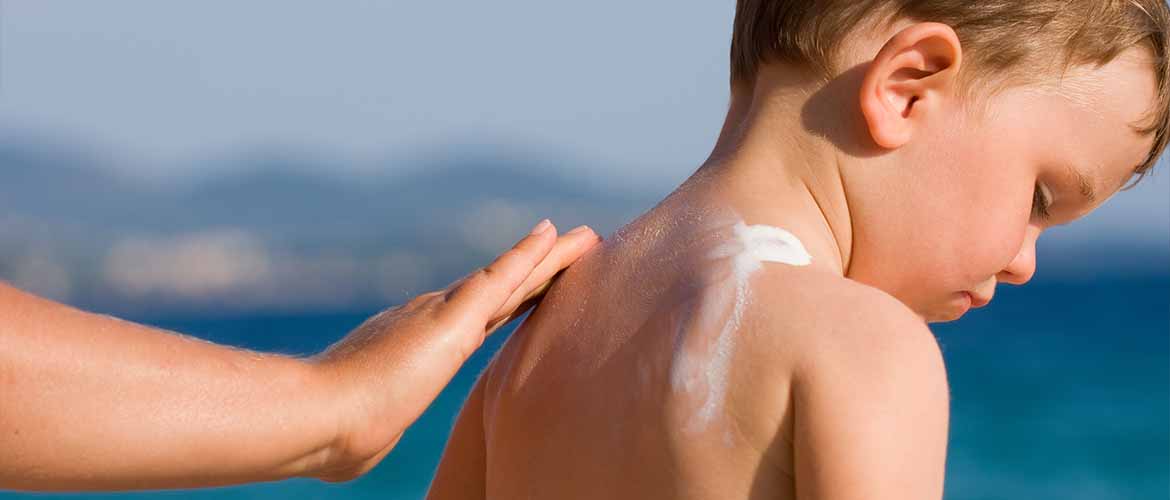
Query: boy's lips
(978, 300)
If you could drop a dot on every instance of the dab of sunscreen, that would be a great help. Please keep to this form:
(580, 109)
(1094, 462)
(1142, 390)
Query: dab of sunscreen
(748, 248)
(751, 246)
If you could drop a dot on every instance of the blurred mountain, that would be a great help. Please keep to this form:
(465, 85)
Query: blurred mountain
(272, 231)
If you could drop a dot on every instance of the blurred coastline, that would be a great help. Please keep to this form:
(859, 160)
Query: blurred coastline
(277, 232)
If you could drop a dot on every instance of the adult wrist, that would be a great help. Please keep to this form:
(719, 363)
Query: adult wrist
(320, 399)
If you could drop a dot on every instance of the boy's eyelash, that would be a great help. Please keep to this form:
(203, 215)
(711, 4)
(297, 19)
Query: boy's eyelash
(1040, 203)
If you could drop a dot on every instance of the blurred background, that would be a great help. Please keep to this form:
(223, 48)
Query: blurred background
(267, 174)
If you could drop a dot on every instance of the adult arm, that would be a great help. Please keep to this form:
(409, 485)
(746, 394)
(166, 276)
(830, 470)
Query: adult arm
(90, 402)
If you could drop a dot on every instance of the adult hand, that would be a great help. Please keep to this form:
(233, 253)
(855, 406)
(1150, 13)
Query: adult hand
(90, 402)
(390, 368)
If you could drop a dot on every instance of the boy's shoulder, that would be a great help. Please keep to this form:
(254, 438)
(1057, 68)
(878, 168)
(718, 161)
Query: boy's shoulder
(805, 325)
(790, 304)
(817, 347)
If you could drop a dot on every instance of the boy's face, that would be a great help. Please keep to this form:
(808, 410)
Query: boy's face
(977, 187)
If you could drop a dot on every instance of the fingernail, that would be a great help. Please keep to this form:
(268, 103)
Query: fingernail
(578, 229)
(541, 227)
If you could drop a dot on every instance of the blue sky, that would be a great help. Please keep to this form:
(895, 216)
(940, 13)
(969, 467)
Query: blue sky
(636, 90)
(162, 84)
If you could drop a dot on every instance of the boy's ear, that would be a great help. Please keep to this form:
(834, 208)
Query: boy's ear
(912, 73)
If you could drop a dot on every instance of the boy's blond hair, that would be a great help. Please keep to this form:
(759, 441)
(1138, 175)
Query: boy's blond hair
(998, 36)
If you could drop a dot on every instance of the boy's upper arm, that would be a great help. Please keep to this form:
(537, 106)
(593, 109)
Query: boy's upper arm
(463, 470)
(871, 412)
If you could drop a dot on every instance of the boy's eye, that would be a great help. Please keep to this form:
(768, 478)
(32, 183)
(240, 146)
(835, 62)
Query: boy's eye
(1040, 203)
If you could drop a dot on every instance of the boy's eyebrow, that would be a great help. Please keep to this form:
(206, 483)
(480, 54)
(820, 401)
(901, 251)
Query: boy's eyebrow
(1085, 185)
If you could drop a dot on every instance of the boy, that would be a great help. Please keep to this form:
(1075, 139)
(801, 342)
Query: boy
(761, 333)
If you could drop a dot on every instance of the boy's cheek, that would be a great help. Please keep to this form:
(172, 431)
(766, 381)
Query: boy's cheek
(993, 229)
(988, 248)
(930, 282)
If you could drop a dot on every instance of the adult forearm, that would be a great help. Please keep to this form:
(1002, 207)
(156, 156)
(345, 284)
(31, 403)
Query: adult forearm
(91, 402)
(88, 402)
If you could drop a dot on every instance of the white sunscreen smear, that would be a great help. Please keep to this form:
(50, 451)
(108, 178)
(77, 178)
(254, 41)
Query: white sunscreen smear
(748, 248)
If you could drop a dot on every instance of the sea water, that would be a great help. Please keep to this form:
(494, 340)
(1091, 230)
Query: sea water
(1059, 391)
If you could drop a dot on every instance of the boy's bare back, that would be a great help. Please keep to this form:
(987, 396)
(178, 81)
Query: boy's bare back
(647, 372)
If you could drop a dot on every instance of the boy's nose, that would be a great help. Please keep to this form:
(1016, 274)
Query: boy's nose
(1023, 266)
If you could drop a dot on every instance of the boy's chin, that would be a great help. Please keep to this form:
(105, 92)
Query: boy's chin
(950, 310)
(943, 318)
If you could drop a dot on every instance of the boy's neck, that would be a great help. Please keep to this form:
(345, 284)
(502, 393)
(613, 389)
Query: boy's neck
(773, 166)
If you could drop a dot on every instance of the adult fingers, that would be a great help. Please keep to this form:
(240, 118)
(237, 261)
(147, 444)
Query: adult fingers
(567, 250)
(518, 311)
(480, 295)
